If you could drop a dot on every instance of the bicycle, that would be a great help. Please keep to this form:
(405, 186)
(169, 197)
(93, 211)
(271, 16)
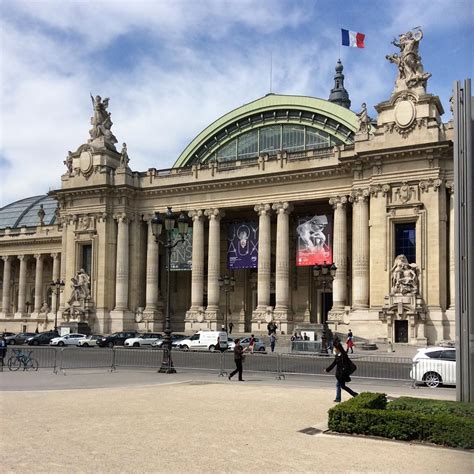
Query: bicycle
(22, 359)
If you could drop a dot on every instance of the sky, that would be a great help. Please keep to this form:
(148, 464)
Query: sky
(172, 67)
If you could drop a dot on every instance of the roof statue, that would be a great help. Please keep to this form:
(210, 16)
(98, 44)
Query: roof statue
(410, 68)
(363, 119)
(101, 121)
(124, 158)
(41, 215)
(338, 94)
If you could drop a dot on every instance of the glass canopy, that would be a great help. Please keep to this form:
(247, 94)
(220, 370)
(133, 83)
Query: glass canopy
(272, 139)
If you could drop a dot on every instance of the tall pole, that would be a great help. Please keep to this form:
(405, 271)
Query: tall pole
(167, 363)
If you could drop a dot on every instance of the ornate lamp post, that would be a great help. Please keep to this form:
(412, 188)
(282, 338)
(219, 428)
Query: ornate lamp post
(57, 286)
(168, 244)
(324, 273)
(227, 283)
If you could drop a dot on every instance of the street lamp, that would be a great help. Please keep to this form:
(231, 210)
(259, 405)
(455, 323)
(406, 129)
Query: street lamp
(324, 273)
(227, 283)
(168, 244)
(57, 286)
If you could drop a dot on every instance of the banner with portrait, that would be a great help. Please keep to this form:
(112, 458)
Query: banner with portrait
(314, 244)
(242, 249)
(182, 254)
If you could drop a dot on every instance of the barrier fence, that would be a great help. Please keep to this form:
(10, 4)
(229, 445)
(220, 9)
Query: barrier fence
(278, 364)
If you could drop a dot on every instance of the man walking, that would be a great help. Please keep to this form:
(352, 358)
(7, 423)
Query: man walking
(272, 341)
(238, 357)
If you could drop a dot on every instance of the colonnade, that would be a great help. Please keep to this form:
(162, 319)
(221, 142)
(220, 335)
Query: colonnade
(21, 309)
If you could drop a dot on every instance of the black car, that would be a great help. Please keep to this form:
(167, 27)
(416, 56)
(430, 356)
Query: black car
(19, 338)
(115, 339)
(42, 338)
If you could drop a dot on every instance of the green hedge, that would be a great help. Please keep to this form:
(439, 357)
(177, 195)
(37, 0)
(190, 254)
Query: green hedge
(370, 414)
(429, 406)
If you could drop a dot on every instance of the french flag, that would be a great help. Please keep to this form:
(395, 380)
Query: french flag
(352, 39)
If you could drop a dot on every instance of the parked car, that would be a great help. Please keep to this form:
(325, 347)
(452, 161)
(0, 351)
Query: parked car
(7, 334)
(143, 340)
(245, 341)
(20, 338)
(206, 340)
(42, 338)
(67, 340)
(115, 339)
(89, 341)
(434, 366)
(175, 338)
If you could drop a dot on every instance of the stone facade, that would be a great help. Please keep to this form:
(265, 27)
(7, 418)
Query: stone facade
(377, 173)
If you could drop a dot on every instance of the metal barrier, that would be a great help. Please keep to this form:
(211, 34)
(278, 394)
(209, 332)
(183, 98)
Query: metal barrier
(425, 371)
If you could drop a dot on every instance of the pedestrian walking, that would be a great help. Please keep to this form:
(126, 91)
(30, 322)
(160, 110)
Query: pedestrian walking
(231, 326)
(272, 341)
(350, 342)
(3, 349)
(252, 343)
(343, 370)
(238, 359)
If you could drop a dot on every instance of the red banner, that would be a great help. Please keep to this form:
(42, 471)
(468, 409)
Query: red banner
(314, 240)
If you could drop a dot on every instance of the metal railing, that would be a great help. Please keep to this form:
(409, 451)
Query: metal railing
(429, 371)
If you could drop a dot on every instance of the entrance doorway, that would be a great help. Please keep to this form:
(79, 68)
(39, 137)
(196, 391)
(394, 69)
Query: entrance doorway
(401, 331)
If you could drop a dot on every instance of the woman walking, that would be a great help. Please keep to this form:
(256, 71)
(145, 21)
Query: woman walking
(342, 364)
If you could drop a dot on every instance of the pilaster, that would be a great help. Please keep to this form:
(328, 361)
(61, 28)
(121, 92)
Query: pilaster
(6, 302)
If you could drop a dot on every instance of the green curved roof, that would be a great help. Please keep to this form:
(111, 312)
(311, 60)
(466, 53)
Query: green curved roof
(338, 121)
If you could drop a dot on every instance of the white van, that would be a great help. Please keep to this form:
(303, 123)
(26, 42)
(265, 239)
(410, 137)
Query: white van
(205, 340)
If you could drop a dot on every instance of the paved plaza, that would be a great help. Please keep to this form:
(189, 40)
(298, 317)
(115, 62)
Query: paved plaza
(141, 421)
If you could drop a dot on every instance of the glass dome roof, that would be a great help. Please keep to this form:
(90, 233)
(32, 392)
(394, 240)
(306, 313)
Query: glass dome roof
(25, 212)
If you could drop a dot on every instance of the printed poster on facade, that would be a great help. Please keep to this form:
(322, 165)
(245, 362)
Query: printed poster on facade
(242, 250)
(314, 244)
(182, 254)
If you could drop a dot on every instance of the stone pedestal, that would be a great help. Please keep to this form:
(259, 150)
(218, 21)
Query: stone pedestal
(80, 327)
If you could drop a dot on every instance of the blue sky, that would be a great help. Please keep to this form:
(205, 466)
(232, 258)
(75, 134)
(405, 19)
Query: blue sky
(171, 67)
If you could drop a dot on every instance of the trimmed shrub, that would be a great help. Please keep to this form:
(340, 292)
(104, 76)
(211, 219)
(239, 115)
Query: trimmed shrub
(369, 414)
(430, 406)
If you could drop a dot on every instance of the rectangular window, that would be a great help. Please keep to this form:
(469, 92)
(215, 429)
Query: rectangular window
(405, 241)
(86, 259)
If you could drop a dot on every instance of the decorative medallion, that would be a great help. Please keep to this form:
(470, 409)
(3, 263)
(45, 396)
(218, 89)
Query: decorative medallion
(404, 113)
(85, 162)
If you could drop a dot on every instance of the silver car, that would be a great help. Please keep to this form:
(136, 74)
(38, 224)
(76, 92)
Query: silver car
(245, 342)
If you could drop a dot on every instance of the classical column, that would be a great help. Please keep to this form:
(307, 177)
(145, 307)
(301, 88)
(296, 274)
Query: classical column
(62, 298)
(452, 268)
(360, 249)
(122, 269)
(264, 257)
(38, 283)
(197, 275)
(7, 272)
(214, 259)
(22, 285)
(282, 284)
(152, 268)
(55, 257)
(339, 285)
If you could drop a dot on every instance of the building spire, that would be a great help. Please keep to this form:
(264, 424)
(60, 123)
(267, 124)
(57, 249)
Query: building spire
(338, 94)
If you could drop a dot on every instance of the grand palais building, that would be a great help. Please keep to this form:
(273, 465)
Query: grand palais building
(271, 189)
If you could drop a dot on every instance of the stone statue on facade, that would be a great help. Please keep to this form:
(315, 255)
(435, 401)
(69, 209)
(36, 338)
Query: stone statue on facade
(364, 119)
(68, 162)
(124, 159)
(80, 285)
(410, 67)
(44, 308)
(101, 121)
(41, 215)
(405, 279)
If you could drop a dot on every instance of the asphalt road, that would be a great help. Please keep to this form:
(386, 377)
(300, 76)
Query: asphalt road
(69, 358)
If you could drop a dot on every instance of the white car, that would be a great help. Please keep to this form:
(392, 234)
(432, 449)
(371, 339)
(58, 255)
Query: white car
(206, 340)
(67, 340)
(434, 366)
(142, 340)
(89, 341)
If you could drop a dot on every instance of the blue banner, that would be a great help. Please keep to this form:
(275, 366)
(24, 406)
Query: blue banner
(242, 250)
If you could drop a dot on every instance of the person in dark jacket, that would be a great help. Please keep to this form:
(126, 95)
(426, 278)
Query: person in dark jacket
(238, 356)
(341, 362)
